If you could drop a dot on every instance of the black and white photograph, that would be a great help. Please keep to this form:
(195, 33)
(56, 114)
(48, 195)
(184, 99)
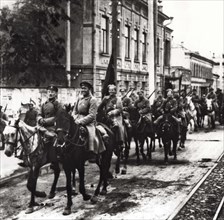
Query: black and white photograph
(112, 109)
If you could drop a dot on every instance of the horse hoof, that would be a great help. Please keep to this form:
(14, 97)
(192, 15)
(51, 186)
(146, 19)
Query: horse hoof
(67, 211)
(29, 210)
(51, 195)
(40, 194)
(86, 197)
(74, 193)
(123, 171)
(94, 200)
(179, 148)
(103, 192)
(170, 153)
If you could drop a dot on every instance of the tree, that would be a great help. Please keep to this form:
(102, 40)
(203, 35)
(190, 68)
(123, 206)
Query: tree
(32, 44)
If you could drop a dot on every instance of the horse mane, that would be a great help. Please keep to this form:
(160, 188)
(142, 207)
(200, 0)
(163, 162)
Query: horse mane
(30, 136)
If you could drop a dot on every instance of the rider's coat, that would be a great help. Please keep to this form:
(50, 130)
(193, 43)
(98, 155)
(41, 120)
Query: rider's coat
(85, 111)
(48, 111)
(157, 105)
(113, 105)
(144, 109)
(170, 105)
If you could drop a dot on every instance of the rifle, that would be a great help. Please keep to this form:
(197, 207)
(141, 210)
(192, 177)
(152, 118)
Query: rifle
(152, 93)
(127, 93)
(5, 107)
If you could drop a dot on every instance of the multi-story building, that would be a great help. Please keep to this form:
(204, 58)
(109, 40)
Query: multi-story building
(163, 50)
(199, 67)
(91, 44)
(218, 70)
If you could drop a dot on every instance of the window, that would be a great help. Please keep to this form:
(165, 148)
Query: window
(167, 53)
(104, 35)
(127, 42)
(144, 47)
(136, 40)
(157, 51)
(118, 39)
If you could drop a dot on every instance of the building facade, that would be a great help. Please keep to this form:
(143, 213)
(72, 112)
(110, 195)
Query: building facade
(163, 50)
(200, 69)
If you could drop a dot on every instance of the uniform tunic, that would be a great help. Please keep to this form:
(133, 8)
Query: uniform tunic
(85, 111)
(143, 107)
(48, 112)
(157, 107)
(114, 106)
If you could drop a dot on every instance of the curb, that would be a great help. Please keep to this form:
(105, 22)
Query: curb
(43, 170)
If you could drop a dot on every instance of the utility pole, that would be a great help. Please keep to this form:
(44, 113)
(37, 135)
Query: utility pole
(151, 48)
(68, 44)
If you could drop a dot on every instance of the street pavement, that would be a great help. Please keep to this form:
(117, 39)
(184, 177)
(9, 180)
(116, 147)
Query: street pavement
(173, 183)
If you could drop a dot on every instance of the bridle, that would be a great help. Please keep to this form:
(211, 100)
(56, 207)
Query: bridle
(14, 144)
(70, 140)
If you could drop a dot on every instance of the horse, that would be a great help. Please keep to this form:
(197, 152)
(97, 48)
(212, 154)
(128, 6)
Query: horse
(209, 120)
(35, 154)
(168, 132)
(72, 142)
(191, 114)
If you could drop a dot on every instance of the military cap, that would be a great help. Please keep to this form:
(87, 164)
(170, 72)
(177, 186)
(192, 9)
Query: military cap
(211, 89)
(87, 84)
(52, 87)
(111, 86)
(169, 90)
(194, 90)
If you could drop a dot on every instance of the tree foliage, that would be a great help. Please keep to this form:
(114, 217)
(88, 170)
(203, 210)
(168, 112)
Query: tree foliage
(31, 38)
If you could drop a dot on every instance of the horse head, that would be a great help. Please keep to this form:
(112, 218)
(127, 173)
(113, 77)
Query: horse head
(18, 131)
(68, 132)
(190, 104)
(11, 135)
(209, 105)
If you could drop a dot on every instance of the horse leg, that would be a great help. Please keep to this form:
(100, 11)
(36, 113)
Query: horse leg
(142, 148)
(31, 186)
(67, 210)
(118, 161)
(74, 193)
(166, 149)
(150, 148)
(126, 154)
(56, 176)
(82, 188)
(175, 149)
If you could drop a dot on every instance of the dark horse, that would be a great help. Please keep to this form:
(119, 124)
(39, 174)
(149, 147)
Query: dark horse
(72, 143)
(167, 130)
(140, 131)
(35, 153)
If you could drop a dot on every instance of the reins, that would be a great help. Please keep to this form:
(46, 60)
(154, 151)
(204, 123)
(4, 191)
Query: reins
(22, 145)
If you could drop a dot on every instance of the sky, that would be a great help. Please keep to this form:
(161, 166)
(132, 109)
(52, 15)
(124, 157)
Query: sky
(197, 23)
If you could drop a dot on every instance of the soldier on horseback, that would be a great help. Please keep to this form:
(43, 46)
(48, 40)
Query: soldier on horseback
(196, 100)
(157, 106)
(170, 106)
(46, 119)
(84, 114)
(112, 107)
(143, 106)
